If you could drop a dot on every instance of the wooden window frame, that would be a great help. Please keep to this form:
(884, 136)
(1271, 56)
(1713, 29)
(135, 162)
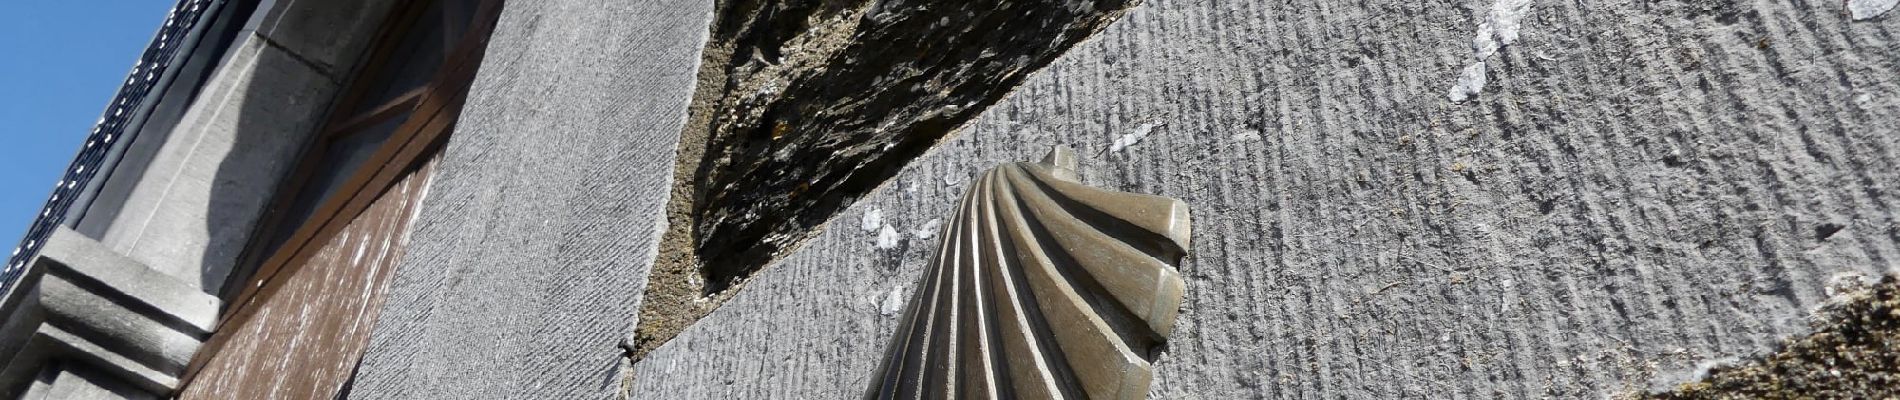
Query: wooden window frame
(437, 104)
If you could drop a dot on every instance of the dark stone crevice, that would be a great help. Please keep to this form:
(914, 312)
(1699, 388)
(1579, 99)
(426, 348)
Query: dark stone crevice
(805, 106)
(905, 74)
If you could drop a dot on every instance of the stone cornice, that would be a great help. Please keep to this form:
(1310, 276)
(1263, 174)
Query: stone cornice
(82, 306)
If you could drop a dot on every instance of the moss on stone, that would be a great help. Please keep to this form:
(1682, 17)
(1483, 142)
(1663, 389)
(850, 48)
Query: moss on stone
(1854, 353)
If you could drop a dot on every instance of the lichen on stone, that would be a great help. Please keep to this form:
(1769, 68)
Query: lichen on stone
(1854, 353)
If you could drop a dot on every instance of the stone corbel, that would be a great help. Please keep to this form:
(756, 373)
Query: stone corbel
(1042, 288)
(82, 309)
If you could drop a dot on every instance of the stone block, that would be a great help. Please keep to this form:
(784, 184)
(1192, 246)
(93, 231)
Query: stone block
(331, 35)
(526, 262)
(87, 310)
(1635, 190)
(200, 198)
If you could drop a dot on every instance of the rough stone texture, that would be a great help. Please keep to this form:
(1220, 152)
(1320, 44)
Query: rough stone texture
(525, 266)
(1853, 353)
(1640, 187)
(804, 106)
(821, 107)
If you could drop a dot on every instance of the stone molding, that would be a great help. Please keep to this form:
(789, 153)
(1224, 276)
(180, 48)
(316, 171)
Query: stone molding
(82, 307)
(1042, 288)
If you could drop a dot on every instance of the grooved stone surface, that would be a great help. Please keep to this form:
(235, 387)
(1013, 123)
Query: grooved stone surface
(526, 263)
(1639, 187)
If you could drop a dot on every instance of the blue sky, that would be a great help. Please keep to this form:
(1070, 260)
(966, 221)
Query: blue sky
(60, 63)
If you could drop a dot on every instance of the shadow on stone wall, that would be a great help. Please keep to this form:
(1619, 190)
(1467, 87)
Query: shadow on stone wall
(296, 69)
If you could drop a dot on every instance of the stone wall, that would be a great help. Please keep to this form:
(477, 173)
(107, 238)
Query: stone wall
(1622, 190)
(1475, 199)
(526, 263)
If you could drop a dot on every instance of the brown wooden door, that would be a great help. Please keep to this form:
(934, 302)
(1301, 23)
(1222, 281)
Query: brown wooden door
(301, 307)
(304, 340)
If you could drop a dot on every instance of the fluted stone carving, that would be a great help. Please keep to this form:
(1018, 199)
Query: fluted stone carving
(1042, 288)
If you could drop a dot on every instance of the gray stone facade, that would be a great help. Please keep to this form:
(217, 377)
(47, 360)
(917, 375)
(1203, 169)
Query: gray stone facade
(1391, 199)
(525, 266)
(1640, 188)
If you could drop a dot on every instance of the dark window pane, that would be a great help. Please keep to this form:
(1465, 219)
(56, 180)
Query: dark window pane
(412, 63)
(458, 14)
(342, 159)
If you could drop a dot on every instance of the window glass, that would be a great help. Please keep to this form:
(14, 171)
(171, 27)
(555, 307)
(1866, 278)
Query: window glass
(414, 61)
(342, 158)
(457, 14)
(386, 91)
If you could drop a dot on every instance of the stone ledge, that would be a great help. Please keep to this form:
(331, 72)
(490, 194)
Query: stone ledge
(85, 309)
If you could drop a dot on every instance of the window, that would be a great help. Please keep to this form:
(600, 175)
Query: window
(388, 89)
(301, 304)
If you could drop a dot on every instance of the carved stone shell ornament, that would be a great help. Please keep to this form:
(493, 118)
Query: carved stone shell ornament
(1042, 288)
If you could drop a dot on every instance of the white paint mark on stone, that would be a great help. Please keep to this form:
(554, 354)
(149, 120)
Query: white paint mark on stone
(1133, 137)
(893, 302)
(769, 87)
(1245, 136)
(929, 230)
(1498, 29)
(1841, 284)
(887, 237)
(1864, 9)
(1469, 83)
(871, 220)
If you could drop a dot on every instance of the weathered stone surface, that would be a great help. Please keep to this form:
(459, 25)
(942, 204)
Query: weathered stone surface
(1041, 288)
(83, 309)
(825, 99)
(1638, 187)
(526, 263)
